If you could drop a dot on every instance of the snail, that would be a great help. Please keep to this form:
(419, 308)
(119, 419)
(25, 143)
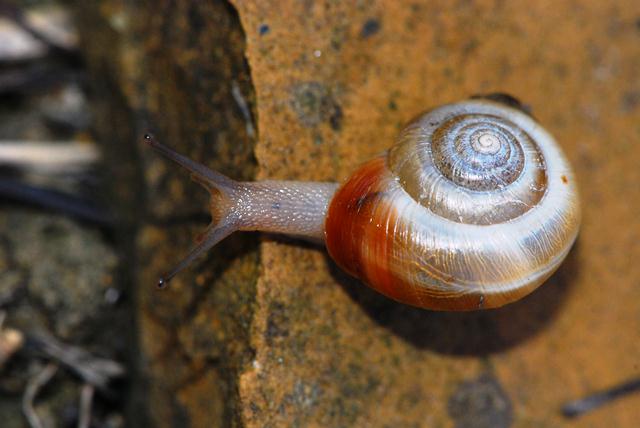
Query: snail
(473, 208)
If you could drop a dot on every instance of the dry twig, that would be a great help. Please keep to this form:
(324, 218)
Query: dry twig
(578, 407)
(86, 402)
(48, 158)
(243, 105)
(58, 37)
(93, 370)
(33, 387)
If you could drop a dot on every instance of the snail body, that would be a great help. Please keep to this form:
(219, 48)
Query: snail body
(473, 207)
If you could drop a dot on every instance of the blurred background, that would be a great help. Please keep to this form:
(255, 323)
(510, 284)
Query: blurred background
(266, 331)
(64, 311)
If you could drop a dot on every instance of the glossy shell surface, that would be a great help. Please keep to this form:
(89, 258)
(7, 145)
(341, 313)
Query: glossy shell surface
(474, 207)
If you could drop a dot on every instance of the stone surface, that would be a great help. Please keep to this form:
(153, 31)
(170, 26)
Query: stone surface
(342, 356)
(275, 335)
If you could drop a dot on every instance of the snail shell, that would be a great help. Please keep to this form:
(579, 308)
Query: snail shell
(474, 207)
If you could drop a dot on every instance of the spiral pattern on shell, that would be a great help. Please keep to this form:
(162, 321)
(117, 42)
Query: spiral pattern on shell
(470, 166)
(474, 207)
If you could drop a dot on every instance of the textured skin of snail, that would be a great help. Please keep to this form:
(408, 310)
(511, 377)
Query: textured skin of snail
(474, 207)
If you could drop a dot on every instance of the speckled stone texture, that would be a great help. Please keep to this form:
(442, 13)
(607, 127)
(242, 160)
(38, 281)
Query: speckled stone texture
(266, 332)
